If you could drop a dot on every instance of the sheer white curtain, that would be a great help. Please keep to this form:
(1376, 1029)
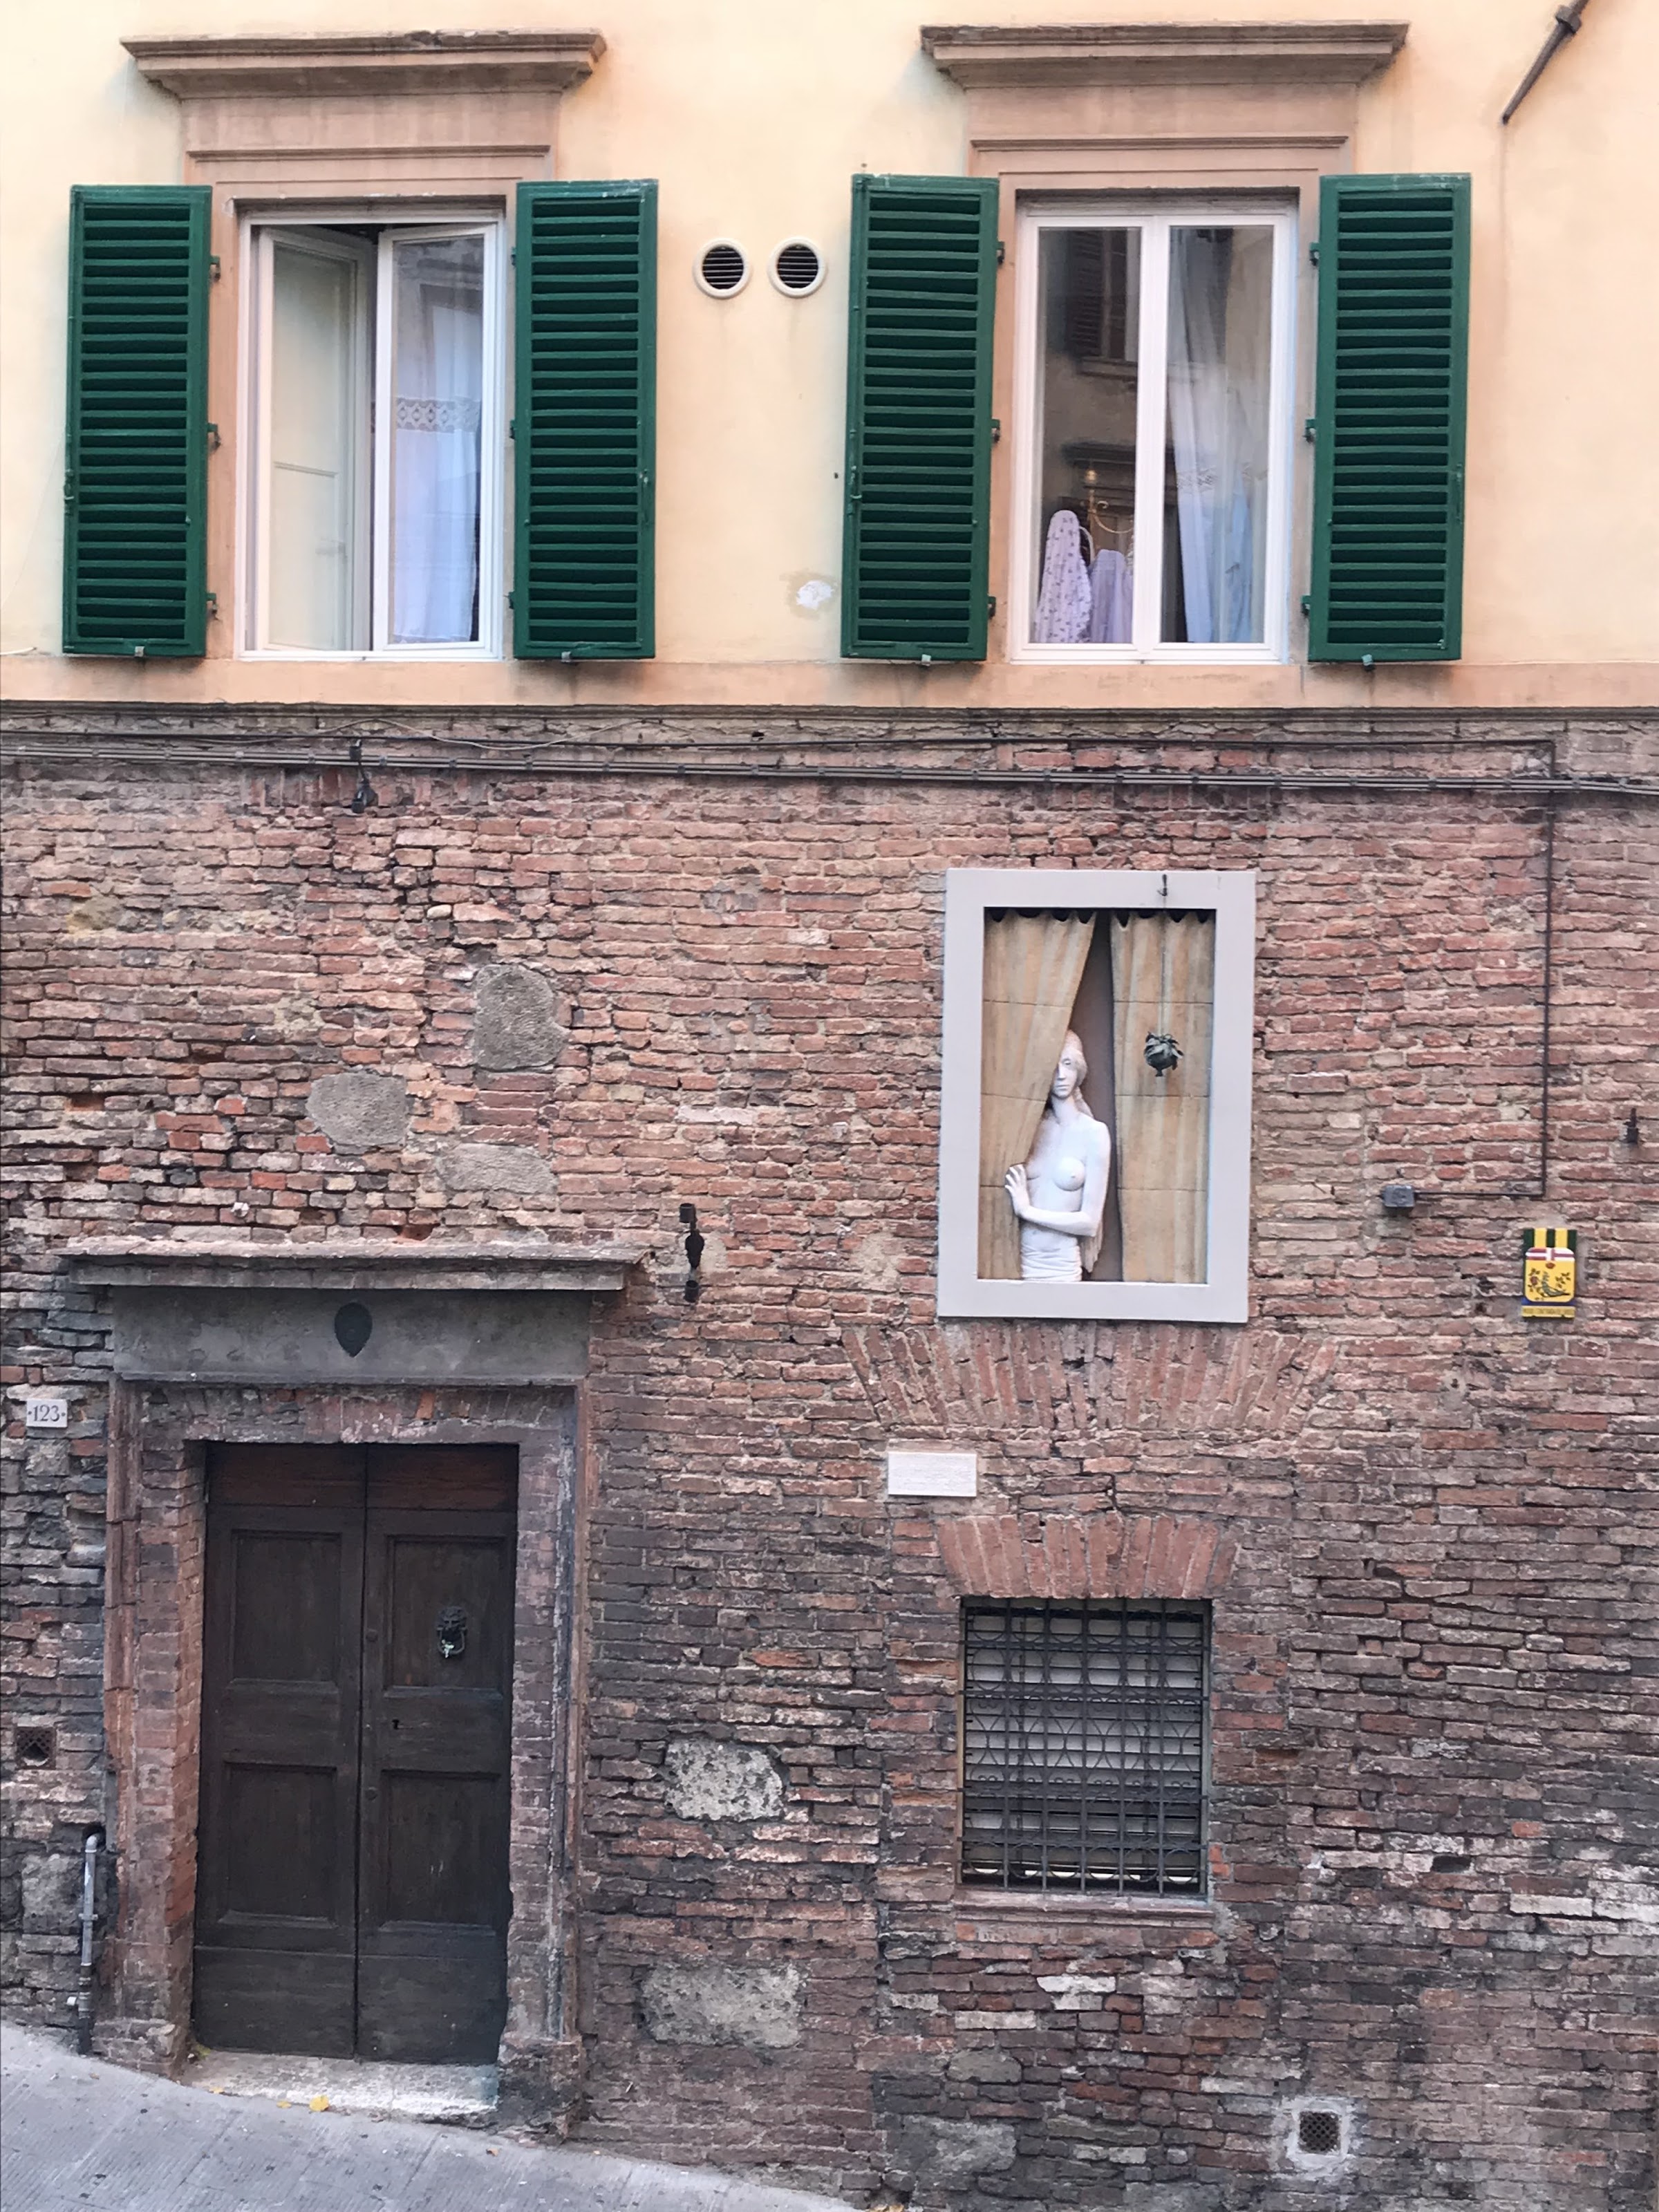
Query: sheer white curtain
(1220, 308)
(437, 412)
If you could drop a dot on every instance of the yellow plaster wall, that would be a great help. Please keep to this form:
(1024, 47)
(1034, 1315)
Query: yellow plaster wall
(754, 116)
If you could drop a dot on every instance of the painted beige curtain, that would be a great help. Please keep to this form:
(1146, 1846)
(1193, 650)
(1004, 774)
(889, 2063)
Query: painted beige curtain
(1033, 965)
(1163, 985)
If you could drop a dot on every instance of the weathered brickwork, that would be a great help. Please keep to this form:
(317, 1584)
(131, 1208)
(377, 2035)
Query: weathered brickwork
(1426, 1528)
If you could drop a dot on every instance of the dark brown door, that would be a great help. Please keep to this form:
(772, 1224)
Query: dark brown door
(352, 1891)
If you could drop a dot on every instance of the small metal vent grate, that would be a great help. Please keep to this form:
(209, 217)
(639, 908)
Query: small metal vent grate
(36, 1746)
(1319, 2133)
(723, 269)
(798, 267)
(1083, 1742)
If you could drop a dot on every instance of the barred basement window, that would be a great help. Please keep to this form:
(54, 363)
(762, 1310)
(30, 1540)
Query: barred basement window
(1084, 1746)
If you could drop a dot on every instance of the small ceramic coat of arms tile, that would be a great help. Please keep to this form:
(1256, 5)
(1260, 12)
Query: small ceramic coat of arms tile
(1549, 1274)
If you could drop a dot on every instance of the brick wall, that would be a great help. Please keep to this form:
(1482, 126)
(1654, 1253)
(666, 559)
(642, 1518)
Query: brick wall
(1423, 1524)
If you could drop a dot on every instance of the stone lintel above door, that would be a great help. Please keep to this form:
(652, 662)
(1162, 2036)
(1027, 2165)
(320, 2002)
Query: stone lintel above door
(350, 1311)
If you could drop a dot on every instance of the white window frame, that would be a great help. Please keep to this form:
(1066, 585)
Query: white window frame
(1154, 217)
(1230, 894)
(261, 228)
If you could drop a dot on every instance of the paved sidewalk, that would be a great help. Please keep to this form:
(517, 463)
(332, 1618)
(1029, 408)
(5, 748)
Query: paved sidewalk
(75, 2133)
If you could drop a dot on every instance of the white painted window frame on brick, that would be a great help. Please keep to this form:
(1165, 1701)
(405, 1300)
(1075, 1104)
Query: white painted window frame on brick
(1231, 896)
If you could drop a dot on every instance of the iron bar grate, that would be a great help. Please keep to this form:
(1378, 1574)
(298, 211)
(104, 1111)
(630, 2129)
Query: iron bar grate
(1083, 1746)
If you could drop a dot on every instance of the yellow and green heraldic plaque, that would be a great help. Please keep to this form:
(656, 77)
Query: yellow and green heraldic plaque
(1549, 1274)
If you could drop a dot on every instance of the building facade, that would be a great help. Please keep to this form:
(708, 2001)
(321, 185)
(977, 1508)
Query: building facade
(670, 641)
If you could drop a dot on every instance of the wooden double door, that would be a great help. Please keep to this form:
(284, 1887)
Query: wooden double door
(352, 1872)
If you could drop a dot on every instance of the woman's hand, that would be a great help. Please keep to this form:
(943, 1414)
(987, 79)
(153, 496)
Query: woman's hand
(1019, 1192)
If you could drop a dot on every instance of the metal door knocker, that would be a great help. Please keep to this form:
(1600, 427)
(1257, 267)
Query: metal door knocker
(452, 1631)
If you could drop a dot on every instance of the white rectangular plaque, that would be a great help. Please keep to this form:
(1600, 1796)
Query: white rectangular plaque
(46, 1412)
(933, 1473)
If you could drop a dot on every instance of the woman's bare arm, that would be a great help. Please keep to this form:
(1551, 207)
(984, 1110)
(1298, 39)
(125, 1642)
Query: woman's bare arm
(1091, 1205)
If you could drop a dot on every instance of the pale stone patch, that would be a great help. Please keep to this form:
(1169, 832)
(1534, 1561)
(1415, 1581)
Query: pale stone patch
(712, 1781)
(359, 1112)
(757, 2007)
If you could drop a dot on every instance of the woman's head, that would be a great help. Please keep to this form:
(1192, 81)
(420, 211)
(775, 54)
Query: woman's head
(1071, 1069)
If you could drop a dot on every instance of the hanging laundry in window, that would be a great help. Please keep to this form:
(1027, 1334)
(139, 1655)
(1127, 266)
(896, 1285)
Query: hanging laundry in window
(1064, 602)
(1112, 594)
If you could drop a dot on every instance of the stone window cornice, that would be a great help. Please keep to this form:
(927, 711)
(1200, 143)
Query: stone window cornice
(1074, 56)
(419, 63)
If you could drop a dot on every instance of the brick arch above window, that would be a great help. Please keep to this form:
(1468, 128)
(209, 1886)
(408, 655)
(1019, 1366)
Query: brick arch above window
(1078, 1555)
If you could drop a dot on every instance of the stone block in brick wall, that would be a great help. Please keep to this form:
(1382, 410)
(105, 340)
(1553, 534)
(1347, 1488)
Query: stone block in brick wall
(757, 2007)
(359, 1112)
(712, 1781)
(512, 1169)
(935, 2154)
(518, 1023)
(50, 1883)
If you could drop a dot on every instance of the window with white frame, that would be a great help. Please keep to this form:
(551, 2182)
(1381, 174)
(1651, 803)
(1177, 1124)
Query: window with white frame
(375, 476)
(1095, 1115)
(1154, 356)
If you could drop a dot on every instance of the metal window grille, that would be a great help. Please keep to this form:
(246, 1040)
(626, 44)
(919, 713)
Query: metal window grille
(1083, 1747)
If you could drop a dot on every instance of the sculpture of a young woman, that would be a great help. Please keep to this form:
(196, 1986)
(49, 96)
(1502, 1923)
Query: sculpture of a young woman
(1060, 1194)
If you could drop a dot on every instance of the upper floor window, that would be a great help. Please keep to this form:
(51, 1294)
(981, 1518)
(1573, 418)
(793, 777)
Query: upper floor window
(1152, 404)
(373, 507)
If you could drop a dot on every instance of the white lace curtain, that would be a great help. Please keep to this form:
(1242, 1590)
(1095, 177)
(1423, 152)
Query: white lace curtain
(438, 410)
(1220, 305)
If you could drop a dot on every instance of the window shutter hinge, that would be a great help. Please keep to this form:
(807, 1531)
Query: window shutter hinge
(1307, 603)
(1313, 252)
(1002, 253)
(513, 428)
(513, 255)
(991, 608)
(996, 430)
(1308, 429)
(214, 272)
(213, 437)
(213, 606)
(509, 598)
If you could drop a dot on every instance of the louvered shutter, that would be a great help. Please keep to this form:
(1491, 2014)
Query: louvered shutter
(1394, 310)
(584, 582)
(135, 485)
(914, 561)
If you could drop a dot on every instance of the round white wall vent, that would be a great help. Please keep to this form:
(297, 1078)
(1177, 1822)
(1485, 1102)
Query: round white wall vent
(798, 267)
(722, 269)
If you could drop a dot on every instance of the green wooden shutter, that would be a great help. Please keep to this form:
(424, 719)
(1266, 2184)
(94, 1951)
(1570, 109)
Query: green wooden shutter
(914, 547)
(585, 429)
(135, 486)
(1394, 315)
